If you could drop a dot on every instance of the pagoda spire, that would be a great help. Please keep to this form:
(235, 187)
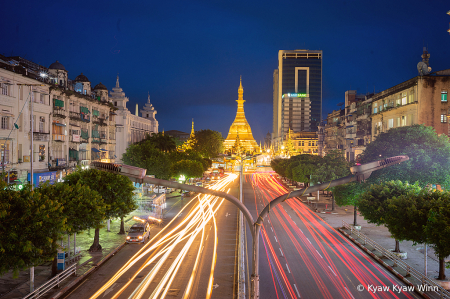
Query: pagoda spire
(148, 98)
(117, 81)
(192, 130)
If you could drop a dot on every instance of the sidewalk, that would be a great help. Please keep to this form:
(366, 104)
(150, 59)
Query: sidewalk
(111, 242)
(380, 234)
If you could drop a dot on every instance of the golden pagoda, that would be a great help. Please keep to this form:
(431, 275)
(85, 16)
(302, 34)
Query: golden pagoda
(190, 143)
(241, 128)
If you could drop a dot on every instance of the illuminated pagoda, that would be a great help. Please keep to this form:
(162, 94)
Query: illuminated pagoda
(190, 143)
(240, 129)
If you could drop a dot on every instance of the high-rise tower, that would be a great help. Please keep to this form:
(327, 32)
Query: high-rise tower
(297, 102)
(241, 128)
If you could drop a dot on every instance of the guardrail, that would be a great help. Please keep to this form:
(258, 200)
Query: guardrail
(55, 281)
(410, 271)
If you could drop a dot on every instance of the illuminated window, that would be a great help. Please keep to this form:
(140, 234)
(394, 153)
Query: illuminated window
(444, 96)
(404, 98)
(403, 120)
(390, 123)
(443, 118)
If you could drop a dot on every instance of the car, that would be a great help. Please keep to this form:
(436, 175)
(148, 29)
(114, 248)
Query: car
(138, 233)
(160, 190)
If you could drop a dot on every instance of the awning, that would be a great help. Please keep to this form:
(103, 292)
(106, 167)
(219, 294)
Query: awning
(95, 150)
(58, 103)
(59, 125)
(103, 150)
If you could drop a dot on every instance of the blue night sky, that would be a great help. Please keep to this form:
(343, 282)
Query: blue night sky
(189, 54)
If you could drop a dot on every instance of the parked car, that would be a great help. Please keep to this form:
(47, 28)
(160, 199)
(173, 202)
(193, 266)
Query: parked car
(138, 233)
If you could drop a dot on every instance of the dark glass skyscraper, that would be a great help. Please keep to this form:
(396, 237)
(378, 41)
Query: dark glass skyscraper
(297, 92)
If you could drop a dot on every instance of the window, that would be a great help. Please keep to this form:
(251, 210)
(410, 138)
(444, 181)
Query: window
(115, 103)
(375, 109)
(41, 152)
(444, 96)
(4, 89)
(443, 118)
(390, 123)
(41, 124)
(404, 98)
(411, 96)
(5, 122)
(403, 120)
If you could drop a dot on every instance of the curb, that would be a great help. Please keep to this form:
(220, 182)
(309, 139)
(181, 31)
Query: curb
(384, 264)
(81, 277)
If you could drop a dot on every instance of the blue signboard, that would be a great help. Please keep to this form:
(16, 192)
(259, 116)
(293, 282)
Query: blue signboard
(42, 177)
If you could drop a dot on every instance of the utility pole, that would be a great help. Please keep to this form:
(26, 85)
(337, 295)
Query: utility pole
(31, 163)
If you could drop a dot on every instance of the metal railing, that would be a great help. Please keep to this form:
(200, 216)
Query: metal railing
(410, 271)
(55, 281)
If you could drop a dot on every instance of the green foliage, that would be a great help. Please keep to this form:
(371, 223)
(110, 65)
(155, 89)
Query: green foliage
(279, 166)
(164, 143)
(31, 224)
(429, 156)
(302, 167)
(373, 203)
(209, 143)
(188, 168)
(83, 207)
(116, 190)
(332, 167)
(146, 155)
(437, 229)
(348, 194)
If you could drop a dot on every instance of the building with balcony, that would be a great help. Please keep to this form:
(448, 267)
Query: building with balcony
(80, 121)
(17, 92)
(334, 135)
(131, 128)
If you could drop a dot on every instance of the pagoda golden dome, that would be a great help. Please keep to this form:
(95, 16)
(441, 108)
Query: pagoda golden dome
(241, 128)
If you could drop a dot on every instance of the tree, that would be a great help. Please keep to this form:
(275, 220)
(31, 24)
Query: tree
(82, 207)
(31, 224)
(116, 191)
(437, 229)
(279, 166)
(348, 194)
(209, 143)
(188, 168)
(332, 167)
(146, 155)
(305, 166)
(376, 208)
(164, 143)
(429, 156)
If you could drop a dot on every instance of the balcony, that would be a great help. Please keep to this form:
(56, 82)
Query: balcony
(59, 112)
(56, 164)
(85, 118)
(103, 141)
(59, 138)
(75, 138)
(75, 115)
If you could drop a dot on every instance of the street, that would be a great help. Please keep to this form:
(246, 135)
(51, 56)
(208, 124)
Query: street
(301, 256)
(193, 256)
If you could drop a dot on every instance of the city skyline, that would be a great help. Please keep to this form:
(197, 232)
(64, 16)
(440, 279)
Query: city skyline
(189, 56)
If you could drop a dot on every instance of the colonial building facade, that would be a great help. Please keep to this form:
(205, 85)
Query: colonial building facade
(131, 128)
